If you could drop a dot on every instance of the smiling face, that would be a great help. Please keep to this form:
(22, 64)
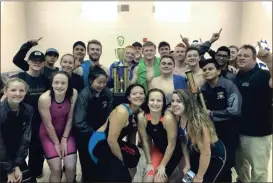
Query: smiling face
(79, 52)
(179, 53)
(245, 59)
(60, 84)
(130, 54)
(178, 107)
(166, 66)
(222, 58)
(137, 96)
(192, 58)
(155, 102)
(233, 53)
(149, 52)
(164, 50)
(94, 52)
(68, 64)
(36, 65)
(15, 92)
(210, 72)
(99, 83)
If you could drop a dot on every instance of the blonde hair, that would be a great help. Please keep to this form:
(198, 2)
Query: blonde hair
(15, 79)
(197, 117)
(127, 47)
(182, 45)
(67, 54)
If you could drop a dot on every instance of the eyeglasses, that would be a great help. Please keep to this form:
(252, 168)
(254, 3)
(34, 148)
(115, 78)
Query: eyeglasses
(221, 56)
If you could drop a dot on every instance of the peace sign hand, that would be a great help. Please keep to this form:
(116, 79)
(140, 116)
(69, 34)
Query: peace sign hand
(34, 42)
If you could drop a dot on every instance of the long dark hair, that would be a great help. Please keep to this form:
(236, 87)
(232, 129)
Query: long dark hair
(145, 106)
(129, 89)
(69, 92)
(95, 72)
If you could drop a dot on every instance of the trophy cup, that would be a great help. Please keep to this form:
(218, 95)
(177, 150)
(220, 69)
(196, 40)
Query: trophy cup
(120, 70)
(194, 89)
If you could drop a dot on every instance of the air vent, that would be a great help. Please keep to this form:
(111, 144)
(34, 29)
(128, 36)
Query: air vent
(124, 8)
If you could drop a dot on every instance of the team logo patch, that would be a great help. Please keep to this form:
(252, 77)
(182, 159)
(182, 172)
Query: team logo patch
(220, 95)
(37, 53)
(246, 84)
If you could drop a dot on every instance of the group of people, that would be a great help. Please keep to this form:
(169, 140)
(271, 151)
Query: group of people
(55, 113)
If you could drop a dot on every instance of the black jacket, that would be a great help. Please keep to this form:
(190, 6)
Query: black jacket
(91, 111)
(25, 115)
(256, 115)
(224, 100)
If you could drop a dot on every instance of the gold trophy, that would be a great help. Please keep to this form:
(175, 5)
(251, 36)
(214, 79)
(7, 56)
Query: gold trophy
(194, 89)
(120, 71)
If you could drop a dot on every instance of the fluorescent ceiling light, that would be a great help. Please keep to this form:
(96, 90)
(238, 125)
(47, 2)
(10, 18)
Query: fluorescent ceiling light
(99, 10)
(172, 11)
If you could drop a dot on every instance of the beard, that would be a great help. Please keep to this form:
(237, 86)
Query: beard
(94, 58)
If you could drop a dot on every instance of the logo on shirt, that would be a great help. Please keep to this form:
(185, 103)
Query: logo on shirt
(220, 95)
(104, 104)
(245, 84)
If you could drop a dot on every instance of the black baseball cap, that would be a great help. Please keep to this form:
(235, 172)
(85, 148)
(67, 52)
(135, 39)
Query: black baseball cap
(37, 56)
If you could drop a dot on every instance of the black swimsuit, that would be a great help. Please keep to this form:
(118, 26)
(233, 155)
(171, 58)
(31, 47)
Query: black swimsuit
(158, 134)
(218, 155)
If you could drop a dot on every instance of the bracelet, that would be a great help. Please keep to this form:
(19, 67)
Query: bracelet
(65, 137)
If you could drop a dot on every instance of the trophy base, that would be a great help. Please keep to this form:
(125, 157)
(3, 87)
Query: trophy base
(119, 98)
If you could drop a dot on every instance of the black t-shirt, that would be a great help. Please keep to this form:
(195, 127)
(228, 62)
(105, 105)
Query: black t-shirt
(37, 86)
(77, 82)
(12, 132)
(47, 72)
(256, 112)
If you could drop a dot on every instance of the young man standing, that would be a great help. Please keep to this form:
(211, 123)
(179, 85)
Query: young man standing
(38, 84)
(223, 101)
(148, 67)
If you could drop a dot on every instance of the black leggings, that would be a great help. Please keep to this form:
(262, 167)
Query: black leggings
(215, 166)
(109, 167)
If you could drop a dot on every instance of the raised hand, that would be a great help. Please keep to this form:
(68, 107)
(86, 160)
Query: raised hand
(34, 42)
(185, 40)
(215, 36)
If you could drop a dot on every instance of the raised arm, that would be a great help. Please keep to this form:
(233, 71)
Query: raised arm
(19, 58)
(117, 120)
